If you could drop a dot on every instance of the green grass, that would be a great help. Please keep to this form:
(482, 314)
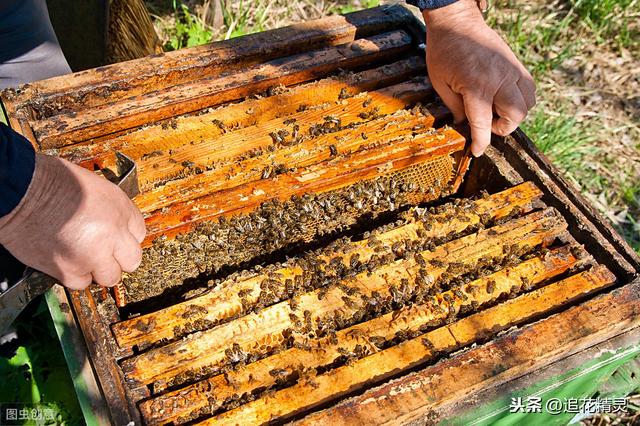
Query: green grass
(353, 6)
(246, 18)
(562, 139)
(540, 47)
(631, 196)
(610, 20)
(559, 29)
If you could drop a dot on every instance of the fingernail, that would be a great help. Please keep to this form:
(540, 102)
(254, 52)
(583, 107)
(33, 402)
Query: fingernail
(477, 152)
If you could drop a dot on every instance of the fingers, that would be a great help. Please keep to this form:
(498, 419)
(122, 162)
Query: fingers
(136, 225)
(107, 274)
(478, 107)
(527, 87)
(79, 282)
(452, 100)
(128, 253)
(511, 108)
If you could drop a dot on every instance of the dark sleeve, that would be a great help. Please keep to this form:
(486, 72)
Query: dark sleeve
(17, 162)
(430, 4)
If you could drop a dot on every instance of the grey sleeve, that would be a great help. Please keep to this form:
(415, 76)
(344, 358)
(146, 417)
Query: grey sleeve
(29, 48)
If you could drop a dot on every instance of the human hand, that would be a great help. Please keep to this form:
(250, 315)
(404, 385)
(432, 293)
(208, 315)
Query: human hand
(74, 226)
(476, 73)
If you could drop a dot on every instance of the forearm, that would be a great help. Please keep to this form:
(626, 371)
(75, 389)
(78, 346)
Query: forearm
(17, 164)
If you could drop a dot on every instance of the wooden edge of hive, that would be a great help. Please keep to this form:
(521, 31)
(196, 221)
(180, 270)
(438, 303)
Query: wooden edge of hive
(193, 96)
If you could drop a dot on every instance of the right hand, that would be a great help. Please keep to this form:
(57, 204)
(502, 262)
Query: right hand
(475, 73)
(74, 226)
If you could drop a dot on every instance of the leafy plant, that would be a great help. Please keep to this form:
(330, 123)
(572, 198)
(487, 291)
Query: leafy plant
(189, 30)
(561, 138)
(34, 370)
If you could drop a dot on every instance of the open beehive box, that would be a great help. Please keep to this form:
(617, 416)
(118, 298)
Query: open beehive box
(319, 248)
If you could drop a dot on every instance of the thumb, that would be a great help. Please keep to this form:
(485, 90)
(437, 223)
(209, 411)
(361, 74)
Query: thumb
(480, 115)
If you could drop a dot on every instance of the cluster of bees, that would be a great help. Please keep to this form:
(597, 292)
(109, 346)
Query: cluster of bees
(332, 266)
(273, 227)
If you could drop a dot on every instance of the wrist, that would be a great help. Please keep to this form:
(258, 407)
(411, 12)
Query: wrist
(455, 14)
(35, 199)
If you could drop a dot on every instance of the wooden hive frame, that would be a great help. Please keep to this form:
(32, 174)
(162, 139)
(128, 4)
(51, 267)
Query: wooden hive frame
(380, 44)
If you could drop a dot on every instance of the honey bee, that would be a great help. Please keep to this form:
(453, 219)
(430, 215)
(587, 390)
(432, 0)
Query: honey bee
(349, 303)
(244, 292)
(235, 354)
(219, 124)
(344, 94)
(279, 373)
(276, 138)
(427, 344)
(437, 263)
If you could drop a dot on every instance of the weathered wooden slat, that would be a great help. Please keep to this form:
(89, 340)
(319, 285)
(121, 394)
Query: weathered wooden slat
(410, 354)
(345, 170)
(505, 358)
(230, 173)
(189, 97)
(262, 331)
(225, 302)
(87, 89)
(210, 394)
(224, 148)
(183, 130)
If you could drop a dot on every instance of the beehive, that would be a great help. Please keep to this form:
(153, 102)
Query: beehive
(315, 231)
